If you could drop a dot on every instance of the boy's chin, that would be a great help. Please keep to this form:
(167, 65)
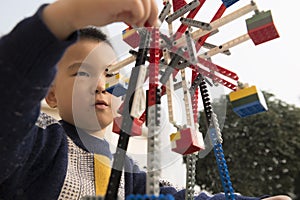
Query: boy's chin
(104, 125)
(92, 122)
(97, 126)
(91, 127)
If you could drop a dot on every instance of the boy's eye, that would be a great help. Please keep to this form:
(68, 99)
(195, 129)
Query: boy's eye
(81, 73)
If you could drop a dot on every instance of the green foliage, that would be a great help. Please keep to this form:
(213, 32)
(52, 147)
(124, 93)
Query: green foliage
(261, 151)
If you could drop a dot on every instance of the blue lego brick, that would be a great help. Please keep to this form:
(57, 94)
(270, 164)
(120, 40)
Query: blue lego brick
(249, 109)
(149, 197)
(213, 136)
(117, 90)
(228, 3)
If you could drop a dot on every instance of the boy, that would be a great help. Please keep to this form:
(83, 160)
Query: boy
(44, 159)
(34, 160)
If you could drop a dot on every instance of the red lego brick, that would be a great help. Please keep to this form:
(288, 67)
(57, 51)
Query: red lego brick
(117, 123)
(186, 142)
(154, 67)
(131, 37)
(177, 4)
(263, 33)
(136, 129)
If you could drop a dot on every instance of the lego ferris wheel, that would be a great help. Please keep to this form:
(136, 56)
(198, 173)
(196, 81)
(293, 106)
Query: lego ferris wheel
(158, 57)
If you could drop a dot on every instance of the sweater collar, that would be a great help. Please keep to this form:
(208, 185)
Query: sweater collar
(85, 141)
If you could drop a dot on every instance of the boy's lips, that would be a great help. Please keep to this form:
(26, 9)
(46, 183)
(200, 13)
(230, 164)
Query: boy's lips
(101, 104)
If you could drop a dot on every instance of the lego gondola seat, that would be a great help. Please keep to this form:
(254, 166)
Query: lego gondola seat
(248, 101)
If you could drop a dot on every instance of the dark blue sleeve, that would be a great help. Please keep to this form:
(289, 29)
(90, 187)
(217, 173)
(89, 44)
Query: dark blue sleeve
(28, 55)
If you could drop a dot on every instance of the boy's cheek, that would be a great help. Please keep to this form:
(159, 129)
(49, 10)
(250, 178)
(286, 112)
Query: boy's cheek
(82, 88)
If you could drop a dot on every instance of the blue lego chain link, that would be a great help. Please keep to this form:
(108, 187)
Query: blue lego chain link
(214, 134)
(222, 166)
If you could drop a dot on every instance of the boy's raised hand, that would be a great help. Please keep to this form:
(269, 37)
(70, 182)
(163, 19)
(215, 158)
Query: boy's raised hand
(65, 16)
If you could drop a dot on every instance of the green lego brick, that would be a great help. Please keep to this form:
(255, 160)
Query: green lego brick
(260, 19)
(245, 100)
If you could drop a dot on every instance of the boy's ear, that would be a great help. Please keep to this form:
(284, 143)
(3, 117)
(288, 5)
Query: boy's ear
(51, 98)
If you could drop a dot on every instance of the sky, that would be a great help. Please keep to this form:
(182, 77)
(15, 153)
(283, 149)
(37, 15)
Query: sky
(272, 66)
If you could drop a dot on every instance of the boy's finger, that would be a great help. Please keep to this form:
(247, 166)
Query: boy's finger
(136, 13)
(153, 17)
(146, 14)
(150, 14)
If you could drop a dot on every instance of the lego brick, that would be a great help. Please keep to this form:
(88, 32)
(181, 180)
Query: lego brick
(165, 11)
(131, 37)
(191, 48)
(228, 3)
(258, 20)
(261, 27)
(136, 129)
(258, 24)
(175, 136)
(263, 34)
(245, 100)
(117, 85)
(117, 90)
(119, 161)
(177, 4)
(153, 95)
(117, 122)
(242, 93)
(181, 11)
(195, 23)
(128, 31)
(183, 27)
(187, 143)
(250, 104)
(263, 16)
(250, 109)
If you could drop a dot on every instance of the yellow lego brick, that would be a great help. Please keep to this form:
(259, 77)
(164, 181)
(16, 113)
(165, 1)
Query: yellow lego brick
(113, 80)
(242, 93)
(175, 136)
(126, 80)
(128, 33)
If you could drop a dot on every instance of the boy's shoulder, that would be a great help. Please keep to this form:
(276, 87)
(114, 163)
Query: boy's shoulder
(44, 120)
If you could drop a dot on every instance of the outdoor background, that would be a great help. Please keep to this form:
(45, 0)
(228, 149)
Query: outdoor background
(272, 66)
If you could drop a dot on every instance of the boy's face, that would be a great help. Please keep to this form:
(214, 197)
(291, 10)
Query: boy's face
(79, 88)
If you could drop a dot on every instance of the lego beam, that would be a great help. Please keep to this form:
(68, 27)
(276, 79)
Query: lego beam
(220, 22)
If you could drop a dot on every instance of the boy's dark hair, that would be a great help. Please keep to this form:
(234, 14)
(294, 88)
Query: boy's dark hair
(93, 33)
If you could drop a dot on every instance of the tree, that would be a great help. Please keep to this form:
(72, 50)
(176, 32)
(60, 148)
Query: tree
(261, 151)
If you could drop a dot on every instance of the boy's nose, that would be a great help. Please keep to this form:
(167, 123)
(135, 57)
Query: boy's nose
(100, 87)
(98, 91)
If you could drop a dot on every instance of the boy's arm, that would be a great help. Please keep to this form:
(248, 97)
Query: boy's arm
(65, 16)
(28, 55)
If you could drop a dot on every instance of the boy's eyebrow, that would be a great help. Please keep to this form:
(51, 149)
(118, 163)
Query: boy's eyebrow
(79, 65)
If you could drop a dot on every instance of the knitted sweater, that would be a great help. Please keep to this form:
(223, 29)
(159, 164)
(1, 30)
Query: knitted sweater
(37, 156)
